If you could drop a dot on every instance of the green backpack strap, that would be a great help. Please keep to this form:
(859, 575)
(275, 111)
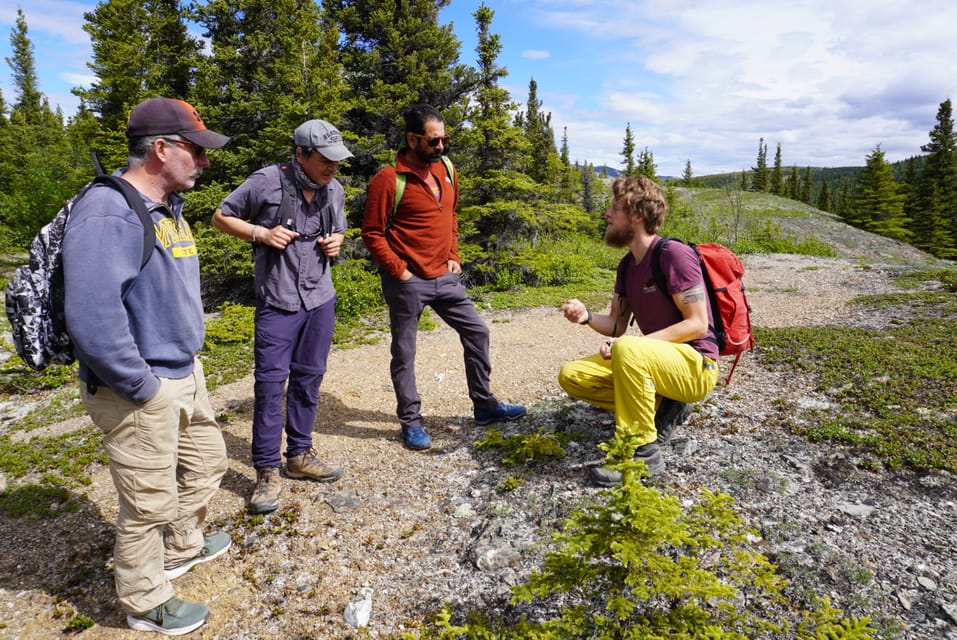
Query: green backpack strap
(400, 185)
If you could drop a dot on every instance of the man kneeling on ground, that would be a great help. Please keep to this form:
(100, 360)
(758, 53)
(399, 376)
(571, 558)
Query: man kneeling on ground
(674, 360)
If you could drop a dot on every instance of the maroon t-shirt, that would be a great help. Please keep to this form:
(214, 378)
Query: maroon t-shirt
(653, 309)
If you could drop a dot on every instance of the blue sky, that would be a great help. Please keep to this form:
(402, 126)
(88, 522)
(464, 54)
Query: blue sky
(698, 80)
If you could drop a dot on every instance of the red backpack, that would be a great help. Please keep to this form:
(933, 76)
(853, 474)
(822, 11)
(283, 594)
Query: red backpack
(730, 311)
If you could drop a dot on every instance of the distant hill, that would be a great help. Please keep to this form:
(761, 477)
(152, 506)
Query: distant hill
(835, 176)
(799, 221)
(611, 171)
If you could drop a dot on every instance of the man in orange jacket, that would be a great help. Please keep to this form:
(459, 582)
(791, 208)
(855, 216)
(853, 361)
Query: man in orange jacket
(415, 244)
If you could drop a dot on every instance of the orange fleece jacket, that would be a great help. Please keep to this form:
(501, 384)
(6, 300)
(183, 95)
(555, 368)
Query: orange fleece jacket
(424, 233)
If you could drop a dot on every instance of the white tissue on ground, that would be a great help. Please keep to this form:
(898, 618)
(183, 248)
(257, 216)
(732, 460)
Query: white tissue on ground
(357, 613)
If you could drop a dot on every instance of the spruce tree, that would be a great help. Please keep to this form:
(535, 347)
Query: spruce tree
(394, 54)
(794, 184)
(488, 153)
(4, 147)
(777, 174)
(646, 164)
(935, 223)
(759, 179)
(28, 107)
(542, 160)
(141, 49)
(806, 184)
(877, 204)
(844, 206)
(492, 142)
(37, 176)
(628, 152)
(687, 177)
(824, 197)
(588, 188)
(273, 66)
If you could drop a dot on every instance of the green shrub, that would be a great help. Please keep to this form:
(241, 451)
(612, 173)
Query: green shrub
(358, 289)
(521, 448)
(892, 389)
(60, 459)
(221, 255)
(228, 350)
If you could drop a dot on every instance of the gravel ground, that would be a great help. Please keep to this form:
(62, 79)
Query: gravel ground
(424, 529)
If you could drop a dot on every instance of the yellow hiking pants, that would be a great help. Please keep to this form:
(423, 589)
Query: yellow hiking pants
(632, 382)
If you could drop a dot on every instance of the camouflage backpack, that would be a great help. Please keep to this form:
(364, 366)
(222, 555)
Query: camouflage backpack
(35, 295)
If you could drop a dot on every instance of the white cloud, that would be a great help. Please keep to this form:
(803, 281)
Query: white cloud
(536, 54)
(706, 79)
(78, 79)
(54, 18)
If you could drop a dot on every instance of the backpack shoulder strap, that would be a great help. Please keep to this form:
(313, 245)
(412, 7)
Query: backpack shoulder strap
(287, 181)
(400, 180)
(449, 167)
(135, 201)
(657, 275)
(399, 190)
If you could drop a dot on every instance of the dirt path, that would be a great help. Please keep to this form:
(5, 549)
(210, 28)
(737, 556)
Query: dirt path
(401, 522)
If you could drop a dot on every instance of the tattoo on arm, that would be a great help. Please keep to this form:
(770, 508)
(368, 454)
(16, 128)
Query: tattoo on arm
(695, 294)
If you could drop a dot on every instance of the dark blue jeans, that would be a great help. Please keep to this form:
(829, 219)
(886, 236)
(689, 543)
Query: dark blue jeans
(448, 298)
(291, 345)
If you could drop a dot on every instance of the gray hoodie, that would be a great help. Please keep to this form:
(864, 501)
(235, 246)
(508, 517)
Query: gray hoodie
(131, 327)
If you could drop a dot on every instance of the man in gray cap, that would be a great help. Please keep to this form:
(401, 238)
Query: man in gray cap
(136, 329)
(293, 213)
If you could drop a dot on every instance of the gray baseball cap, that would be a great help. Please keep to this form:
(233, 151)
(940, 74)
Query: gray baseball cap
(323, 137)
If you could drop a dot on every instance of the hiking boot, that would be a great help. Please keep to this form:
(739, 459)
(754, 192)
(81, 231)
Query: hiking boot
(670, 415)
(501, 412)
(213, 547)
(605, 477)
(174, 617)
(649, 453)
(306, 465)
(266, 494)
(416, 438)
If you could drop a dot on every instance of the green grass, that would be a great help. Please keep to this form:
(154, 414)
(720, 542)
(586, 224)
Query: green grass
(891, 386)
(894, 391)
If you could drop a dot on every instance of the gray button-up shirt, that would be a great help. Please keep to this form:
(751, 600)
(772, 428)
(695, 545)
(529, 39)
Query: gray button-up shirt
(299, 275)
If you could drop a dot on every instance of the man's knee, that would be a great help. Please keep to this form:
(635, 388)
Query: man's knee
(567, 379)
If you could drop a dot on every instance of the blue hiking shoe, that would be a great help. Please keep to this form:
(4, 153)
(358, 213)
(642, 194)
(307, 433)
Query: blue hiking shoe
(501, 412)
(416, 438)
(213, 547)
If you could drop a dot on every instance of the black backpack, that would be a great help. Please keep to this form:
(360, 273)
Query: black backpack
(35, 295)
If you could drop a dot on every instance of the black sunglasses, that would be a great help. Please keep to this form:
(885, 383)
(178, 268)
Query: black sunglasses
(433, 142)
(291, 225)
(192, 147)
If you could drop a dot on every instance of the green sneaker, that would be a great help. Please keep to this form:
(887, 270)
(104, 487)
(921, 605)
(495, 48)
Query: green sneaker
(213, 547)
(174, 617)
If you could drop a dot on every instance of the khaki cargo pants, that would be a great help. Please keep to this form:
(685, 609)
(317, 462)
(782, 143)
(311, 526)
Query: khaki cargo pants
(167, 457)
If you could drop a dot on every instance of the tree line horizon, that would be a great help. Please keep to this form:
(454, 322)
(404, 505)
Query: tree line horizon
(263, 70)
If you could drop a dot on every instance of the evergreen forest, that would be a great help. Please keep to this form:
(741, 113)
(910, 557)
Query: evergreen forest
(531, 221)
(263, 68)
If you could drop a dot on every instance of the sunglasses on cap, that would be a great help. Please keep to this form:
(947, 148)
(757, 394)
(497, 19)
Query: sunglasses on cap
(433, 142)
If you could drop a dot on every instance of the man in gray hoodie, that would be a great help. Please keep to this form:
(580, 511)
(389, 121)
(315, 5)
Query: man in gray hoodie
(137, 329)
